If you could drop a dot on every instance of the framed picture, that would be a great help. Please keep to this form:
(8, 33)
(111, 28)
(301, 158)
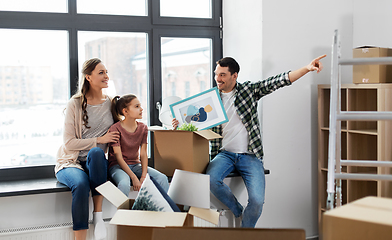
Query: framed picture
(205, 110)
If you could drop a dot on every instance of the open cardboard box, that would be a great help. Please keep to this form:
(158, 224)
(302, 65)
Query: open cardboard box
(149, 225)
(366, 218)
(137, 224)
(176, 149)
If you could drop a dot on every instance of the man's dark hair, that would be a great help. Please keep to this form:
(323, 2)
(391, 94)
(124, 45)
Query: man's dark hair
(229, 62)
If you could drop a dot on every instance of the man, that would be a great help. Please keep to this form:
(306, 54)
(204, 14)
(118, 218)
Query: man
(240, 147)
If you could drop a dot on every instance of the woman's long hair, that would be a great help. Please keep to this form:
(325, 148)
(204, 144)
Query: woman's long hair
(84, 86)
(119, 103)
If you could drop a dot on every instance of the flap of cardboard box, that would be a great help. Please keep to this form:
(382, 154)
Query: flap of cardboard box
(190, 189)
(208, 134)
(369, 209)
(112, 194)
(209, 215)
(148, 218)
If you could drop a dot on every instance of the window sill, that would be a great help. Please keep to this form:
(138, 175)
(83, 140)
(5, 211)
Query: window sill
(34, 186)
(45, 185)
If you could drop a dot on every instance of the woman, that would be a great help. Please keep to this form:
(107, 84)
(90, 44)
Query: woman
(81, 162)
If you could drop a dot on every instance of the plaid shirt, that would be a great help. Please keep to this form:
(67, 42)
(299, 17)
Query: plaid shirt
(247, 96)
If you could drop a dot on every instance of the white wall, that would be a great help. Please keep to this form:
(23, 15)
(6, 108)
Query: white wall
(269, 37)
(372, 26)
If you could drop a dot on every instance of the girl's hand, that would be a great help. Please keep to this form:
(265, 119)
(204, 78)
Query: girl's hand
(136, 184)
(109, 137)
(175, 123)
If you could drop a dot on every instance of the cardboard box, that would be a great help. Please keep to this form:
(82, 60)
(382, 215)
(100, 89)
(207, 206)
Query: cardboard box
(135, 224)
(227, 234)
(364, 219)
(372, 73)
(184, 150)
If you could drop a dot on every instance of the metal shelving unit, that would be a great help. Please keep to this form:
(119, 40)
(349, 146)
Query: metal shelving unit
(336, 116)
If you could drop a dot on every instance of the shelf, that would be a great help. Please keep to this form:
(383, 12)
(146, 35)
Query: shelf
(360, 140)
(360, 189)
(364, 131)
(343, 129)
(324, 95)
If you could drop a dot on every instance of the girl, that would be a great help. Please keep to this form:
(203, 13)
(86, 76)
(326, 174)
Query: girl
(81, 162)
(126, 165)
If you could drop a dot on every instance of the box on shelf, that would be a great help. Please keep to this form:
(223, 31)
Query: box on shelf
(372, 73)
(366, 218)
(176, 149)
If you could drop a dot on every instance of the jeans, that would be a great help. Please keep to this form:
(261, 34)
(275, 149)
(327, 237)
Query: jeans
(81, 182)
(123, 181)
(251, 170)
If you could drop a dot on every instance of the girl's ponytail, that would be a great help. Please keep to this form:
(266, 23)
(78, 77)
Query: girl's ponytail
(114, 109)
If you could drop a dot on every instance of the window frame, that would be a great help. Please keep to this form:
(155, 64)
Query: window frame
(153, 25)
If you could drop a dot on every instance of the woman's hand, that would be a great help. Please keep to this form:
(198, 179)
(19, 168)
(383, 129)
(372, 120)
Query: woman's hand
(109, 137)
(175, 123)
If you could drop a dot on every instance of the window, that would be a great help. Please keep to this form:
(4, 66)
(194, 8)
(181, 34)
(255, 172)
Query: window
(181, 57)
(113, 7)
(59, 6)
(141, 42)
(186, 8)
(187, 89)
(124, 55)
(35, 76)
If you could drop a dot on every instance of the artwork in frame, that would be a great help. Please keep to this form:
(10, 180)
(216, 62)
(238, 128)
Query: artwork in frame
(205, 110)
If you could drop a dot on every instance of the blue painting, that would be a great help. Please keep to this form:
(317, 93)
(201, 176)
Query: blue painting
(199, 112)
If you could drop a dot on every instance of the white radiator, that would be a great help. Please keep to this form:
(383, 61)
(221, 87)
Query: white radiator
(198, 222)
(52, 232)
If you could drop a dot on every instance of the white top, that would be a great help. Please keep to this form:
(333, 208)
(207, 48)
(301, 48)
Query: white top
(99, 120)
(235, 136)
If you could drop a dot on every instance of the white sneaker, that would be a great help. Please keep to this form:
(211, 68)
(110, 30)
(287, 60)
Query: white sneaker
(222, 212)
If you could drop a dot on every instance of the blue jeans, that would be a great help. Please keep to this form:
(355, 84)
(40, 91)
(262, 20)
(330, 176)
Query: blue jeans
(251, 170)
(81, 182)
(123, 181)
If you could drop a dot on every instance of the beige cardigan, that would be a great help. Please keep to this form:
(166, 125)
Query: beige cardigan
(68, 153)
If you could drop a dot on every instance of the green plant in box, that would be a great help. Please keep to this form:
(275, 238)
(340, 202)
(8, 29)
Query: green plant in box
(188, 127)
